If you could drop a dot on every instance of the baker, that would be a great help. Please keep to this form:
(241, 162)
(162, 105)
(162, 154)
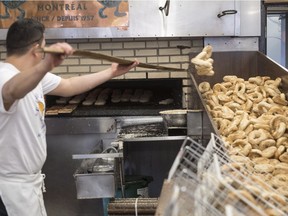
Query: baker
(24, 80)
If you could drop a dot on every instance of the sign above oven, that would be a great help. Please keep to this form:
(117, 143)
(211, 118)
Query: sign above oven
(137, 18)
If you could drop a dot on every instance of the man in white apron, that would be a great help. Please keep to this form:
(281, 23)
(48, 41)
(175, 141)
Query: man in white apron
(24, 80)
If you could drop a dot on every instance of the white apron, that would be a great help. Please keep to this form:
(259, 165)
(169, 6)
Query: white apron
(22, 196)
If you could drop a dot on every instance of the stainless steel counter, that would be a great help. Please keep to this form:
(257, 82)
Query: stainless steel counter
(67, 136)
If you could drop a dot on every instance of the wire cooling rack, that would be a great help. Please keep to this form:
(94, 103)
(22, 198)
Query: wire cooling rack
(208, 182)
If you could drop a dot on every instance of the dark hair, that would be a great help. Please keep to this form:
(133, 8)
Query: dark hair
(22, 34)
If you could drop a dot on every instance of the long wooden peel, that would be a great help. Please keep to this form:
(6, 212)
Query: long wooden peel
(99, 56)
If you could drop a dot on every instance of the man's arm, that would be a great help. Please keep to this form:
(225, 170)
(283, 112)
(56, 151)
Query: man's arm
(30, 75)
(22, 83)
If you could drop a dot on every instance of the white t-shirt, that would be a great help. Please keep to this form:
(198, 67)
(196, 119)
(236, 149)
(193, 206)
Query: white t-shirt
(22, 128)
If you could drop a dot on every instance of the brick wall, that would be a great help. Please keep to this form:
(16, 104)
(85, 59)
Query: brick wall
(159, 51)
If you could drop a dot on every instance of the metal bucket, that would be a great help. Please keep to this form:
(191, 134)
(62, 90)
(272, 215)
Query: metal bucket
(174, 118)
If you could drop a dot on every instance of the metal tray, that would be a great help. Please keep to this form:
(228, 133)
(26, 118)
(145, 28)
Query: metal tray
(95, 185)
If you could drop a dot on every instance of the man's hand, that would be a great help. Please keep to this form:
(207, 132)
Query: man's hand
(53, 60)
(118, 69)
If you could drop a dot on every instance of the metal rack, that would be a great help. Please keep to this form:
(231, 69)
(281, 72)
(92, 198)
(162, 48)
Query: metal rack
(206, 181)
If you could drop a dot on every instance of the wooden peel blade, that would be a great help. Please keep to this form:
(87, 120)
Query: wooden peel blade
(99, 56)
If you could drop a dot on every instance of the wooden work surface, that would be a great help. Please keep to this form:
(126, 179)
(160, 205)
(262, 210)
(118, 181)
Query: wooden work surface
(165, 197)
(275, 1)
(183, 201)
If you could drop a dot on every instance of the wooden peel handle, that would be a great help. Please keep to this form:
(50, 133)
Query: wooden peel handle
(52, 50)
(93, 55)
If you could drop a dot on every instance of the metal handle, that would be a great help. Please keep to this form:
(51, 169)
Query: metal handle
(96, 156)
(226, 12)
(166, 7)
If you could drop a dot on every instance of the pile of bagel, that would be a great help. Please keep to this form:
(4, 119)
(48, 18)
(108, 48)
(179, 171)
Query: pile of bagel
(252, 119)
(203, 62)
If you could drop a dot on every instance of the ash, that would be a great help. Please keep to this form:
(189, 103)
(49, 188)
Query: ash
(145, 130)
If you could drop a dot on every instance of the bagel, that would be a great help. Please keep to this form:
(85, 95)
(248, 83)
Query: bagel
(256, 80)
(280, 168)
(279, 180)
(259, 179)
(264, 168)
(203, 62)
(274, 197)
(263, 126)
(283, 190)
(249, 129)
(279, 131)
(214, 98)
(241, 193)
(262, 91)
(228, 85)
(246, 149)
(208, 49)
(256, 97)
(200, 62)
(245, 146)
(274, 110)
(238, 138)
(275, 82)
(256, 191)
(280, 100)
(266, 143)
(229, 78)
(201, 55)
(255, 153)
(234, 150)
(229, 93)
(260, 160)
(244, 121)
(233, 126)
(256, 136)
(210, 103)
(263, 106)
(282, 141)
(203, 69)
(250, 87)
(274, 161)
(272, 212)
(249, 167)
(271, 91)
(284, 157)
(221, 124)
(204, 87)
(223, 97)
(218, 87)
(239, 158)
(237, 99)
(278, 125)
(208, 94)
(227, 113)
(269, 152)
(233, 106)
(239, 90)
(280, 150)
(230, 167)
